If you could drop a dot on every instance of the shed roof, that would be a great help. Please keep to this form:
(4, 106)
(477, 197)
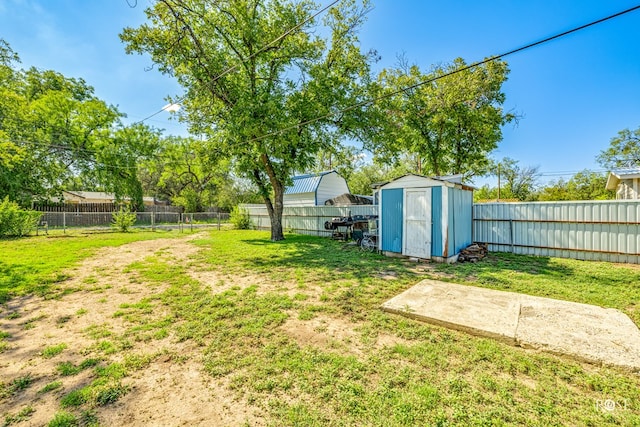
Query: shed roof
(450, 180)
(616, 175)
(306, 183)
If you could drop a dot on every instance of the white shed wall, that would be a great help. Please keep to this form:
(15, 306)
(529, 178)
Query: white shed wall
(331, 185)
(299, 199)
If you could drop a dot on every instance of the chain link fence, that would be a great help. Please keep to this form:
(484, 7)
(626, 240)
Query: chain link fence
(151, 220)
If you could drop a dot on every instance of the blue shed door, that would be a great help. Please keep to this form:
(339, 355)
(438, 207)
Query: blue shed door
(391, 220)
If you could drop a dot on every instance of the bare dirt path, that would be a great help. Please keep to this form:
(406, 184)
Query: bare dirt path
(171, 390)
(171, 387)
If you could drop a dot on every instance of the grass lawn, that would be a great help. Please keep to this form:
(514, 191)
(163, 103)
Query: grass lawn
(37, 264)
(381, 369)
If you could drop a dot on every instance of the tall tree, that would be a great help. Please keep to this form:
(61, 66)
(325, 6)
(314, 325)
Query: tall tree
(448, 119)
(185, 172)
(516, 182)
(273, 97)
(623, 151)
(54, 132)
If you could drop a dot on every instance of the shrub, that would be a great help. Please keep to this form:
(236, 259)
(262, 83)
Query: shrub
(123, 219)
(15, 221)
(240, 218)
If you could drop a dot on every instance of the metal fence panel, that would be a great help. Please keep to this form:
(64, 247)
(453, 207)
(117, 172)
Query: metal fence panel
(593, 230)
(306, 219)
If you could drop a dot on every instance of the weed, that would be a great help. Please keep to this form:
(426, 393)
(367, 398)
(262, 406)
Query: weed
(81, 311)
(67, 369)
(89, 418)
(53, 350)
(24, 414)
(110, 394)
(64, 419)
(20, 383)
(63, 319)
(76, 398)
(55, 385)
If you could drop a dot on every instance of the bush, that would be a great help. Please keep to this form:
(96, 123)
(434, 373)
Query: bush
(123, 219)
(15, 221)
(240, 218)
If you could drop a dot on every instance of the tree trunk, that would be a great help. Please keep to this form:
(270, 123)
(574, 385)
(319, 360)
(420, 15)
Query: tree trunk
(275, 214)
(275, 209)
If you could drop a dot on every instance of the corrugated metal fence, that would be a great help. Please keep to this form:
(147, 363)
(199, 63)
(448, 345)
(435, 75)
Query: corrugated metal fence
(591, 230)
(306, 219)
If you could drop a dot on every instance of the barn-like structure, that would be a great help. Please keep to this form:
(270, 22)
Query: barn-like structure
(315, 189)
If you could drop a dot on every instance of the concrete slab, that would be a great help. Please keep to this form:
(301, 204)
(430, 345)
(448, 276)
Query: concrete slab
(479, 311)
(586, 332)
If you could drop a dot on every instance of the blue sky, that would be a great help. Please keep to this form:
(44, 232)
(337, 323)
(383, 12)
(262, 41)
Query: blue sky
(574, 94)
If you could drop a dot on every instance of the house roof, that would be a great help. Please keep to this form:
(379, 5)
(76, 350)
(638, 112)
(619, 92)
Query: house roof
(306, 183)
(616, 175)
(91, 194)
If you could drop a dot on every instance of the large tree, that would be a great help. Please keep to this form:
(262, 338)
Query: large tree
(262, 78)
(623, 151)
(185, 172)
(448, 120)
(56, 134)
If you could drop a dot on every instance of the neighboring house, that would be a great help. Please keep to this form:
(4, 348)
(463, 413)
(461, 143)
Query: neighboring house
(84, 197)
(625, 182)
(314, 189)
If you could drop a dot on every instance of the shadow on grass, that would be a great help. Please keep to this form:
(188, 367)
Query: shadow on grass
(501, 263)
(318, 253)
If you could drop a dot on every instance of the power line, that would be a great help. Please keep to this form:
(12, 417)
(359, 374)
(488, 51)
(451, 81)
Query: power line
(234, 67)
(450, 73)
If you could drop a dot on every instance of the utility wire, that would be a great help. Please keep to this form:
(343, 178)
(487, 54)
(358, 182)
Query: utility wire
(450, 73)
(373, 100)
(235, 67)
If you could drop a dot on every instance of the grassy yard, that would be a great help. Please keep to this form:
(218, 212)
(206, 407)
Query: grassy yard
(38, 264)
(294, 328)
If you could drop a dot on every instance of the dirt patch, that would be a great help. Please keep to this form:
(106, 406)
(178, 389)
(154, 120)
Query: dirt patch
(333, 334)
(165, 392)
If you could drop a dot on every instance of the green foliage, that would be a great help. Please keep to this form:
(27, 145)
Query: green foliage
(240, 218)
(585, 185)
(15, 221)
(64, 419)
(53, 350)
(189, 173)
(24, 414)
(123, 219)
(55, 133)
(446, 126)
(517, 183)
(623, 151)
(297, 84)
(55, 385)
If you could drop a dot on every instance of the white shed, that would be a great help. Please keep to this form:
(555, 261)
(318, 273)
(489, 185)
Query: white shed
(315, 189)
(626, 183)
